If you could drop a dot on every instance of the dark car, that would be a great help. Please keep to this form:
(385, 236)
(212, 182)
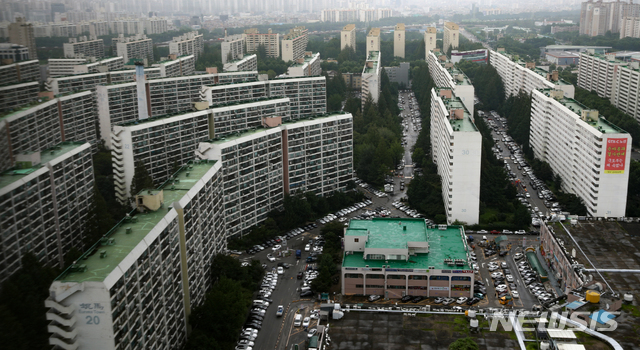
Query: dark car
(504, 252)
(306, 293)
(300, 275)
(506, 271)
(417, 299)
(479, 282)
(489, 252)
(254, 325)
(311, 259)
(473, 301)
(406, 298)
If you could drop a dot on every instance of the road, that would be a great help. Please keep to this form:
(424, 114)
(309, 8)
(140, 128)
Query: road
(412, 130)
(473, 39)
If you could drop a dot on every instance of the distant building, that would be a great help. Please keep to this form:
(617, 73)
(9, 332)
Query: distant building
(232, 48)
(134, 47)
(560, 29)
(399, 74)
(59, 67)
(371, 77)
(373, 41)
(19, 72)
(451, 37)
(11, 53)
(175, 66)
(294, 44)
(429, 40)
(353, 80)
(191, 43)
(309, 65)
(398, 40)
(597, 170)
(456, 148)
(477, 56)
(21, 33)
(348, 37)
(244, 64)
(630, 27)
(270, 41)
(84, 48)
(563, 58)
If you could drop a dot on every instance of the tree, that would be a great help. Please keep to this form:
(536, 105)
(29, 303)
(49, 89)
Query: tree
(464, 344)
(334, 103)
(99, 219)
(141, 179)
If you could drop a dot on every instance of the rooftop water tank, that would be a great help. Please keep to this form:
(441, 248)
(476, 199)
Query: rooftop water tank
(593, 297)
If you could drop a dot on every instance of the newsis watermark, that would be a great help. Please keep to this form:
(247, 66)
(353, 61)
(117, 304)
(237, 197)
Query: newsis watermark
(553, 320)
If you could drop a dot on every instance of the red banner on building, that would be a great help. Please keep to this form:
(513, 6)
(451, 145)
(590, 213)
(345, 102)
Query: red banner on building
(615, 156)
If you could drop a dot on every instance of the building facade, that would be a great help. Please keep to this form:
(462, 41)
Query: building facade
(373, 41)
(370, 78)
(451, 37)
(21, 33)
(630, 27)
(445, 74)
(140, 282)
(14, 52)
(15, 96)
(135, 47)
(348, 37)
(398, 40)
(399, 74)
(244, 64)
(294, 44)
(456, 148)
(84, 48)
(598, 17)
(19, 72)
(175, 66)
(59, 67)
(429, 40)
(191, 43)
(309, 65)
(45, 203)
(590, 154)
(394, 258)
(270, 41)
(232, 48)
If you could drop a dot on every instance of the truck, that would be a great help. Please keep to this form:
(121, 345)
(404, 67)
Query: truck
(298, 254)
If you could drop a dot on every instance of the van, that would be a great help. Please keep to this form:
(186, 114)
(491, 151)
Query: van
(297, 322)
(304, 289)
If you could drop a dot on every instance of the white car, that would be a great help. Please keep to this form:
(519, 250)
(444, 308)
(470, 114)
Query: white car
(312, 332)
(280, 270)
(271, 257)
(518, 256)
(307, 247)
(276, 247)
(496, 275)
(515, 294)
(509, 278)
(462, 300)
(306, 321)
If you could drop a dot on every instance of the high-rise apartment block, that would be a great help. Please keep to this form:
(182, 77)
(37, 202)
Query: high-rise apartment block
(348, 37)
(134, 47)
(139, 283)
(591, 155)
(42, 126)
(451, 37)
(456, 148)
(355, 14)
(598, 17)
(83, 82)
(370, 78)
(19, 72)
(244, 64)
(630, 27)
(446, 75)
(232, 48)
(373, 41)
(21, 33)
(309, 65)
(45, 202)
(518, 75)
(613, 79)
(17, 95)
(270, 41)
(191, 43)
(294, 44)
(84, 48)
(429, 40)
(398, 40)
(175, 66)
(59, 67)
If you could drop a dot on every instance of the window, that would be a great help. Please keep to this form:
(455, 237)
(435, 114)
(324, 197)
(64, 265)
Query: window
(396, 277)
(352, 275)
(376, 276)
(439, 278)
(460, 278)
(356, 240)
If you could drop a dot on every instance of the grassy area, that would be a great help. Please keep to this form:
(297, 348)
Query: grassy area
(633, 310)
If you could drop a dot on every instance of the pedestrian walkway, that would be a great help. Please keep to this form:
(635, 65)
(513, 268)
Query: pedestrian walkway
(550, 273)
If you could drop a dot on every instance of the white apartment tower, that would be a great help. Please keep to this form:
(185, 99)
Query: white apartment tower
(591, 155)
(348, 37)
(371, 77)
(373, 41)
(429, 40)
(451, 37)
(270, 41)
(294, 44)
(446, 75)
(244, 64)
(232, 48)
(191, 43)
(138, 47)
(456, 148)
(398, 40)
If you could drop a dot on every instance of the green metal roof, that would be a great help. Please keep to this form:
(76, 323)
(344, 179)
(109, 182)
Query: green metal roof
(389, 233)
(97, 267)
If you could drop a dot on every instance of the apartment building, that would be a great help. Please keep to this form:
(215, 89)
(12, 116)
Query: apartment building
(590, 154)
(429, 40)
(44, 125)
(175, 66)
(630, 27)
(191, 43)
(21, 32)
(232, 48)
(348, 37)
(477, 56)
(370, 78)
(139, 283)
(456, 148)
(59, 67)
(156, 25)
(340, 15)
(611, 78)
(14, 52)
(373, 41)
(395, 258)
(127, 26)
(309, 65)
(19, 72)
(45, 202)
(117, 103)
(311, 155)
(445, 74)
(83, 82)
(15, 96)
(228, 120)
(398, 40)
(451, 37)
(294, 44)
(399, 74)
(244, 64)
(134, 47)
(518, 75)
(84, 48)
(270, 41)
(598, 17)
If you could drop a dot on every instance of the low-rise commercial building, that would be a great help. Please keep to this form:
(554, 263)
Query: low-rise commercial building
(244, 64)
(84, 48)
(191, 43)
(398, 257)
(477, 56)
(456, 148)
(399, 74)
(141, 281)
(44, 205)
(591, 155)
(563, 58)
(19, 72)
(370, 78)
(309, 65)
(446, 74)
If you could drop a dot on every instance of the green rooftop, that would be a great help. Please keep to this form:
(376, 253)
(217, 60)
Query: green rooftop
(455, 72)
(463, 125)
(390, 233)
(10, 176)
(601, 124)
(92, 266)
(373, 57)
(307, 60)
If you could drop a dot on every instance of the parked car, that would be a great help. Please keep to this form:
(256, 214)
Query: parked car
(373, 298)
